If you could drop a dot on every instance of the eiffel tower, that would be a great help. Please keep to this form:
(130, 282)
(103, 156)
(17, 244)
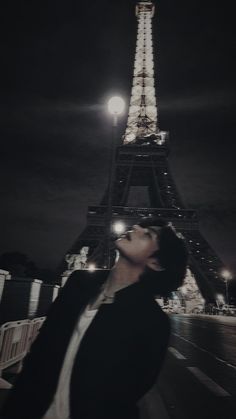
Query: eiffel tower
(142, 181)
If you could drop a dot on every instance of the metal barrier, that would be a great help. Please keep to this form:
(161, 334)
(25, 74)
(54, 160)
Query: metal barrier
(16, 339)
(34, 329)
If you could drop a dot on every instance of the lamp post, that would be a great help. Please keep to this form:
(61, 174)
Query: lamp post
(203, 301)
(226, 274)
(116, 106)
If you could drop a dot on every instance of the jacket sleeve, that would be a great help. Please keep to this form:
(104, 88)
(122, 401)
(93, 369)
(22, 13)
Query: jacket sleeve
(154, 356)
(143, 369)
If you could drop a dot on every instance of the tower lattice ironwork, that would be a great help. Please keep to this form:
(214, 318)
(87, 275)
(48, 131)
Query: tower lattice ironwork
(143, 184)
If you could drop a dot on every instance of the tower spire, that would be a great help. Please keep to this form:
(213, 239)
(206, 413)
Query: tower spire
(142, 124)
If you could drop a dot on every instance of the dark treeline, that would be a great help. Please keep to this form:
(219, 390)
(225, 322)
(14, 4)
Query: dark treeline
(20, 265)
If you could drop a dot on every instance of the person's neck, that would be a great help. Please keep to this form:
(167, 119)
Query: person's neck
(122, 275)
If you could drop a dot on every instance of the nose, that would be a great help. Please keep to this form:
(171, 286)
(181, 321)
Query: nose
(136, 227)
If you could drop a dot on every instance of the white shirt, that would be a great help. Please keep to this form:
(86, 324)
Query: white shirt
(60, 407)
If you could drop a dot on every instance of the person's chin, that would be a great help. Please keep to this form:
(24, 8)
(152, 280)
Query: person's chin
(119, 241)
(119, 246)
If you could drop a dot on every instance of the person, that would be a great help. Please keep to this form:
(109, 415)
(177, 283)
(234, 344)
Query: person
(104, 340)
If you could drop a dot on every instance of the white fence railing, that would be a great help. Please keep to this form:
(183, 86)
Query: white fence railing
(35, 325)
(16, 339)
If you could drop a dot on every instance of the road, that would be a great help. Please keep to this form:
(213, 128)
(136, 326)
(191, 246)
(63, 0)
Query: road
(198, 379)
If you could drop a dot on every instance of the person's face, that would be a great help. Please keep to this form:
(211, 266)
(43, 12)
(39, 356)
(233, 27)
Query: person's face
(138, 244)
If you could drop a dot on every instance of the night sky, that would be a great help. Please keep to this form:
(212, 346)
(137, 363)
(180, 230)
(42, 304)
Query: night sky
(61, 61)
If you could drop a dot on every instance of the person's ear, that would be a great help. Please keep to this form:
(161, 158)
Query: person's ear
(154, 264)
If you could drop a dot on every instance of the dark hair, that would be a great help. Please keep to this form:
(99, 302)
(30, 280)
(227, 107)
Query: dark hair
(172, 256)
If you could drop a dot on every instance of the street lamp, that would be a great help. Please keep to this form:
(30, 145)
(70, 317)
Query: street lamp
(220, 299)
(118, 227)
(203, 301)
(226, 274)
(91, 267)
(116, 106)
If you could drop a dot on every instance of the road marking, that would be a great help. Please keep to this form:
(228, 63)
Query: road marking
(176, 353)
(208, 382)
(5, 384)
(204, 350)
(152, 406)
(188, 322)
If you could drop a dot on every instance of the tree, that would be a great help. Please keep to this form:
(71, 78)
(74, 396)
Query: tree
(18, 264)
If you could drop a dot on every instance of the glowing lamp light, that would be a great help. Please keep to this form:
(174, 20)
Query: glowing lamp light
(118, 227)
(226, 274)
(116, 105)
(220, 298)
(91, 267)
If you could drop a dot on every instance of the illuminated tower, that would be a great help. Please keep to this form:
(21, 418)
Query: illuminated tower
(143, 116)
(142, 181)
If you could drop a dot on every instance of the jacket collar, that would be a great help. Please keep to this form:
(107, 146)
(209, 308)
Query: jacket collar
(136, 291)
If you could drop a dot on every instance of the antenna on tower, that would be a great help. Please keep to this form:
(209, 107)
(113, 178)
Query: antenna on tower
(142, 125)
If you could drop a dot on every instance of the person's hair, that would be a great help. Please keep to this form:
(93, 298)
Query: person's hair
(172, 256)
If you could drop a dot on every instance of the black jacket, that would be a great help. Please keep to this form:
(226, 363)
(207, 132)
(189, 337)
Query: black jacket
(117, 362)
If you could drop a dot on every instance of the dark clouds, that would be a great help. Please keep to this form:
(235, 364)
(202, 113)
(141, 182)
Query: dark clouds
(60, 62)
